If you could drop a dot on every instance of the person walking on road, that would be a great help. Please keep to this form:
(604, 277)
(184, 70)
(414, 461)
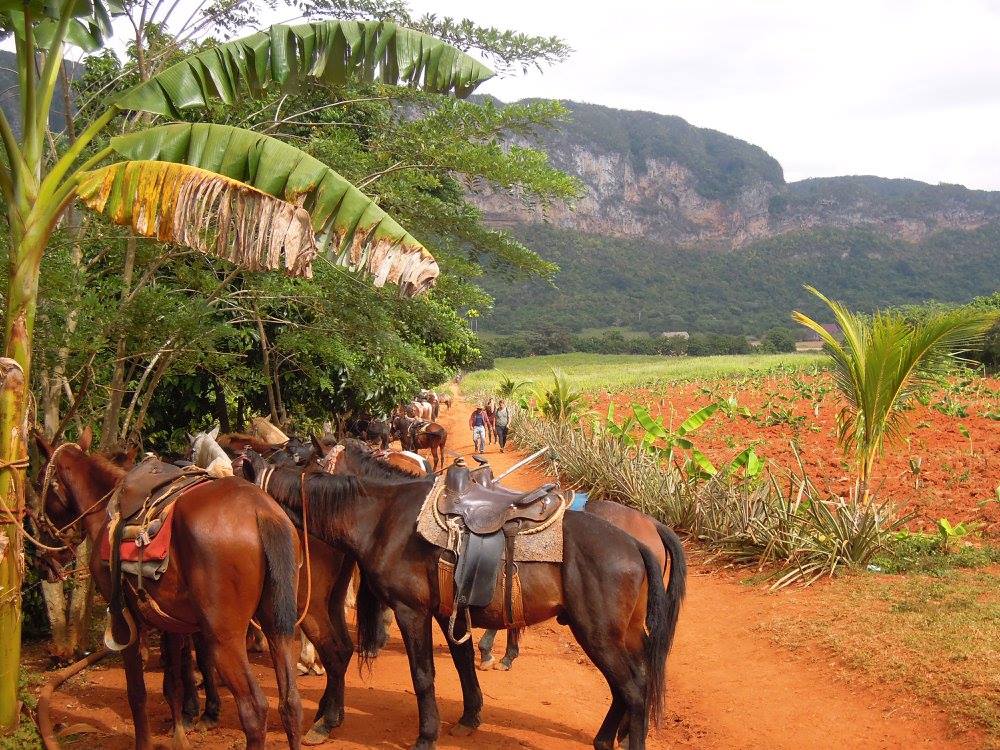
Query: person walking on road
(477, 421)
(502, 418)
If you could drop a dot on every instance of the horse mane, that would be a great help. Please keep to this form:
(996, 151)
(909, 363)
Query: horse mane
(326, 492)
(375, 468)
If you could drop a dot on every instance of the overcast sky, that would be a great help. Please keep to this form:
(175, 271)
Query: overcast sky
(896, 88)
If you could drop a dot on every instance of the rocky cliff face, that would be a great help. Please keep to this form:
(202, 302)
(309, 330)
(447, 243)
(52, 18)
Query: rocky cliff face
(654, 176)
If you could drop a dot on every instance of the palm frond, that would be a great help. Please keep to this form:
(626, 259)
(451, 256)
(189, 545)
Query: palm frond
(882, 361)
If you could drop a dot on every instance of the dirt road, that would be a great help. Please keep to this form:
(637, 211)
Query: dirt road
(729, 686)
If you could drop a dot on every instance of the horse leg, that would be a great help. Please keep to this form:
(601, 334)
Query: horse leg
(486, 649)
(283, 650)
(416, 629)
(623, 666)
(192, 705)
(136, 687)
(464, 657)
(213, 703)
(173, 685)
(513, 649)
(326, 627)
(229, 654)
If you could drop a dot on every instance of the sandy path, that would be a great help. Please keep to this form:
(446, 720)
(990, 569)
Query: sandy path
(729, 686)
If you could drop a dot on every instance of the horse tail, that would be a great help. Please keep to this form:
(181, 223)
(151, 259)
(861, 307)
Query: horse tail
(677, 582)
(662, 611)
(281, 572)
(371, 635)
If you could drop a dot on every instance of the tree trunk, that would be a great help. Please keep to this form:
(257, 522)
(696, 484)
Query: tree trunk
(220, 407)
(15, 371)
(265, 351)
(109, 427)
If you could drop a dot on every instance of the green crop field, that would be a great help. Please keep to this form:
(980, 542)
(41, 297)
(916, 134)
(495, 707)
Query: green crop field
(617, 371)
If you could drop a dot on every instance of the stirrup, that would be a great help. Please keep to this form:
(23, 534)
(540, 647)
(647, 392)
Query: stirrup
(451, 626)
(109, 637)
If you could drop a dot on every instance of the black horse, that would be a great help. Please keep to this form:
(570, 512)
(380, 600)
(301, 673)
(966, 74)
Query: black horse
(609, 590)
(369, 429)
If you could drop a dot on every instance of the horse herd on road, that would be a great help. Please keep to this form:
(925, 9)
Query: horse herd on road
(619, 586)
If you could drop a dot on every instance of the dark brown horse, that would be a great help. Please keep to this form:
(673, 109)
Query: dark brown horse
(609, 590)
(417, 435)
(215, 583)
(658, 537)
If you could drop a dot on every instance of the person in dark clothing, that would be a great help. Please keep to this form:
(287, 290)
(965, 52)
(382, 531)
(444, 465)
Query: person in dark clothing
(477, 421)
(502, 420)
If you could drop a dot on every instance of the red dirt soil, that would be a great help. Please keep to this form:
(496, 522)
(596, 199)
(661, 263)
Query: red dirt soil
(958, 478)
(729, 686)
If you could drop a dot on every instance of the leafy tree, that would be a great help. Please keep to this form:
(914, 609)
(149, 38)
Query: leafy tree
(881, 362)
(778, 340)
(246, 197)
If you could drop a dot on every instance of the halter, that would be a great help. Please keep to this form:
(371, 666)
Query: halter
(42, 518)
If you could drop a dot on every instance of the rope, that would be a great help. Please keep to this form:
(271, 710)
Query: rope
(304, 499)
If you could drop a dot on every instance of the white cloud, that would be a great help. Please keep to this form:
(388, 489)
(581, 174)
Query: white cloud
(889, 87)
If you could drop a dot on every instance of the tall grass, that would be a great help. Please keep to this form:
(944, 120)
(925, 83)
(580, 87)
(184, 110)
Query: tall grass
(791, 535)
(615, 372)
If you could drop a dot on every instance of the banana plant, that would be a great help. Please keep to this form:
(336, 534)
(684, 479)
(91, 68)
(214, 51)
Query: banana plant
(238, 195)
(664, 442)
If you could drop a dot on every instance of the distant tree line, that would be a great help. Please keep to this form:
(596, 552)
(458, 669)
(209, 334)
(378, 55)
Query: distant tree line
(555, 340)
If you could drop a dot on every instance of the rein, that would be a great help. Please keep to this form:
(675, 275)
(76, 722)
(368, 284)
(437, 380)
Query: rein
(42, 518)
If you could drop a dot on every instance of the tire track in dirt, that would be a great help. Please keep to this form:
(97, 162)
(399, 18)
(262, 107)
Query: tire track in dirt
(729, 686)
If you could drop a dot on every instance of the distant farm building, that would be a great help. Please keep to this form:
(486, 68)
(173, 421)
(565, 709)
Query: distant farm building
(832, 328)
(676, 335)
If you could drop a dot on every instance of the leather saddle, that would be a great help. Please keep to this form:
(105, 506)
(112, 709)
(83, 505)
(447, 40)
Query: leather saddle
(486, 508)
(491, 517)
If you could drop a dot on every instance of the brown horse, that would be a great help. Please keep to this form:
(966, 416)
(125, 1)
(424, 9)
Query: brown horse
(234, 443)
(609, 590)
(417, 435)
(215, 583)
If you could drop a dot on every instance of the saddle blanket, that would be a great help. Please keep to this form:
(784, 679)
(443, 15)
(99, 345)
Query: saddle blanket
(542, 546)
(155, 547)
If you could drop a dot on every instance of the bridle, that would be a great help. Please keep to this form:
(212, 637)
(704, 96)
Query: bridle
(67, 533)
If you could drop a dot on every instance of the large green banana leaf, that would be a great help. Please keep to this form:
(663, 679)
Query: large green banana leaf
(90, 26)
(349, 226)
(333, 51)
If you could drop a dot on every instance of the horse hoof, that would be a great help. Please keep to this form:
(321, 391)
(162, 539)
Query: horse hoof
(486, 664)
(318, 670)
(502, 666)
(624, 743)
(302, 668)
(316, 736)
(461, 730)
(206, 723)
(424, 745)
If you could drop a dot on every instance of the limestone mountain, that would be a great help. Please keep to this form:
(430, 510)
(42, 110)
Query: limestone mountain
(657, 188)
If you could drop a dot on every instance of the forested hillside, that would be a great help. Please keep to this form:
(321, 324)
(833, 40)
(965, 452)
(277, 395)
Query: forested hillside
(637, 283)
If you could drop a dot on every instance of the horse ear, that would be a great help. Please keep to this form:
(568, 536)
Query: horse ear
(43, 445)
(316, 443)
(215, 432)
(86, 438)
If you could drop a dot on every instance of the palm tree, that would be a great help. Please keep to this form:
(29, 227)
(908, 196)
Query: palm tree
(235, 194)
(881, 362)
